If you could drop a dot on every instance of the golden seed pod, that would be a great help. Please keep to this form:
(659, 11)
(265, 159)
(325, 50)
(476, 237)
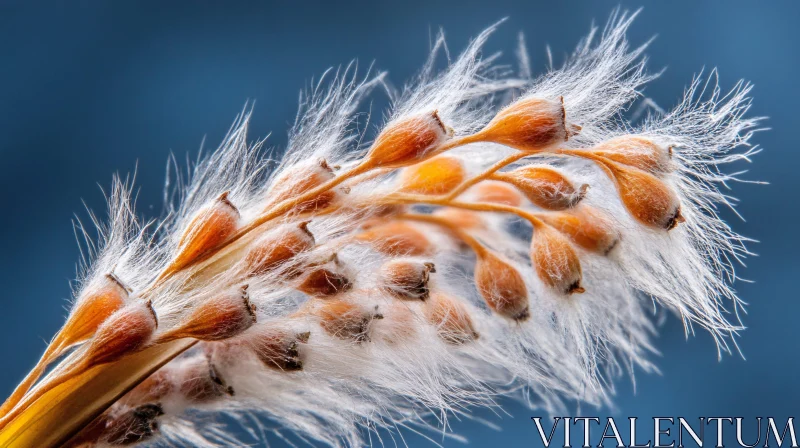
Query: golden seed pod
(439, 175)
(406, 279)
(278, 349)
(529, 124)
(276, 249)
(324, 282)
(648, 199)
(221, 317)
(133, 426)
(397, 238)
(346, 320)
(638, 152)
(209, 228)
(92, 309)
(451, 318)
(199, 382)
(502, 287)
(586, 227)
(300, 179)
(497, 193)
(555, 261)
(545, 187)
(127, 331)
(407, 141)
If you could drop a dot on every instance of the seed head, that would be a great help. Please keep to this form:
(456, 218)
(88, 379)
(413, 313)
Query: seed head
(555, 261)
(93, 308)
(647, 198)
(134, 426)
(586, 227)
(300, 179)
(406, 279)
(451, 318)
(408, 141)
(638, 152)
(529, 124)
(439, 175)
(127, 331)
(278, 248)
(277, 348)
(346, 320)
(210, 227)
(199, 381)
(224, 316)
(502, 287)
(545, 187)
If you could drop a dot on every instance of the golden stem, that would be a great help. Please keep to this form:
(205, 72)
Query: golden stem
(64, 410)
(471, 241)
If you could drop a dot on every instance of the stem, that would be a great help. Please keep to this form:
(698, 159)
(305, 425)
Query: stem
(64, 410)
(476, 206)
(486, 174)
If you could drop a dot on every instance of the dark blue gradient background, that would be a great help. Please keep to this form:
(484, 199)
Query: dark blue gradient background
(92, 88)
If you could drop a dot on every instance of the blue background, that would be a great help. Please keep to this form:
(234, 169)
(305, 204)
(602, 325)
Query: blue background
(92, 88)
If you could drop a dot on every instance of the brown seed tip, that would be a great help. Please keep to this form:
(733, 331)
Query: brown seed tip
(439, 175)
(408, 141)
(406, 279)
(555, 261)
(545, 187)
(199, 381)
(501, 286)
(528, 124)
(134, 426)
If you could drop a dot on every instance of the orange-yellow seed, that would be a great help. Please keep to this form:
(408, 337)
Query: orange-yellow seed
(346, 320)
(397, 238)
(407, 141)
(529, 124)
(221, 317)
(92, 309)
(497, 193)
(502, 287)
(586, 227)
(544, 187)
(439, 175)
(127, 331)
(648, 199)
(210, 227)
(277, 348)
(555, 261)
(300, 179)
(451, 318)
(638, 152)
(278, 248)
(406, 279)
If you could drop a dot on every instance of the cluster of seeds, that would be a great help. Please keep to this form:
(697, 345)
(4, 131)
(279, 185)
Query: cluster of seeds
(402, 269)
